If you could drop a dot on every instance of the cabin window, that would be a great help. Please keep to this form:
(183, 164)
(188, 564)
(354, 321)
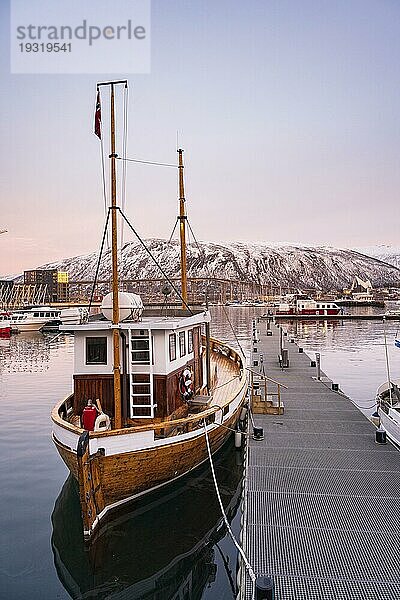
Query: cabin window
(141, 350)
(96, 351)
(36, 314)
(190, 341)
(182, 343)
(172, 347)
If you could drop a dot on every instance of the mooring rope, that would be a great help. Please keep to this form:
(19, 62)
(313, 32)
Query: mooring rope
(225, 518)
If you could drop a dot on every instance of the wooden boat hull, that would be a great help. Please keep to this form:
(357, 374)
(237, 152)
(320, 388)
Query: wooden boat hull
(154, 522)
(130, 474)
(108, 478)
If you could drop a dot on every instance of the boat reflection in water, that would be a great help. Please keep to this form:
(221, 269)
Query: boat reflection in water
(163, 549)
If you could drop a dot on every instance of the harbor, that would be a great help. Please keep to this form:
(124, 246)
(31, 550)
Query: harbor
(315, 484)
(42, 552)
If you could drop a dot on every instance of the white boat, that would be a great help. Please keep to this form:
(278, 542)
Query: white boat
(305, 306)
(74, 315)
(34, 319)
(166, 392)
(388, 406)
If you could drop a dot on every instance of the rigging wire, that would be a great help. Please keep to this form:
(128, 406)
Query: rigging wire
(211, 277)
(387, 362)
(98, 262)
(155, 261)
(146, 162)
(228, 527)
(173, 230)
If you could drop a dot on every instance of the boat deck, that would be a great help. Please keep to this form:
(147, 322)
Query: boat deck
(226, 378)
(321, 497)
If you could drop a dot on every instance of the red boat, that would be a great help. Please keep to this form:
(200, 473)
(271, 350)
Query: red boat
(5, 325)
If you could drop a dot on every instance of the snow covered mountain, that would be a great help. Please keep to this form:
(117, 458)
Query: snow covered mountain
(294, 266)
(388, 254)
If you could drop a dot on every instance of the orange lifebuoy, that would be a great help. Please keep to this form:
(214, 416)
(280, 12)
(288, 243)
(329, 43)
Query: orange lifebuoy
(186, 384)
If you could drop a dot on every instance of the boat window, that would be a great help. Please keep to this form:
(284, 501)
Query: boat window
(140, 350)
(182, 343)
(36, 314)
(172, 347)
(190, 341)
(96, 350)
(317, 305)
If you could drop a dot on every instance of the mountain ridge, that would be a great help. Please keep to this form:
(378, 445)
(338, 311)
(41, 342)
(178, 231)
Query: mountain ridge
(289, 265)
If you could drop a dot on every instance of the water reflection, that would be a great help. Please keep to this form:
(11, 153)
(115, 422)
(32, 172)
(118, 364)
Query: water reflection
(164, 548)
(24, 352)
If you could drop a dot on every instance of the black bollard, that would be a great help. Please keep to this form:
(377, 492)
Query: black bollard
(335, 387)
(258, 434)
(300, 350)
(264, 588)
(380, 436)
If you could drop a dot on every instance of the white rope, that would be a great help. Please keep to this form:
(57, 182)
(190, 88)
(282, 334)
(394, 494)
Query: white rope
(239, 548)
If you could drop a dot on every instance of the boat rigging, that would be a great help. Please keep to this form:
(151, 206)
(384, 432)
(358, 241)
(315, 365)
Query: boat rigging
(161, 384)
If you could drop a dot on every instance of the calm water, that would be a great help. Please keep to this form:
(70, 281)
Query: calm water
(172, 544)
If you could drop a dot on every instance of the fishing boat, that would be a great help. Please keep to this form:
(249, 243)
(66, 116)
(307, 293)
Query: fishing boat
(35, 318)
(152, 389)
(5, 324)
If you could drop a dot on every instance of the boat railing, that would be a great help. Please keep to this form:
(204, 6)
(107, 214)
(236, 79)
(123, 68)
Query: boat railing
(183, 425)
(63, 413)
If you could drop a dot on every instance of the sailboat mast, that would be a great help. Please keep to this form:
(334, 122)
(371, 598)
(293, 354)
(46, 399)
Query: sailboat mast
(114, 248)
(182, 230)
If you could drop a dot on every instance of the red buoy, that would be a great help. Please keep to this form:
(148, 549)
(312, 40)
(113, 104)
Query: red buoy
(89, 416)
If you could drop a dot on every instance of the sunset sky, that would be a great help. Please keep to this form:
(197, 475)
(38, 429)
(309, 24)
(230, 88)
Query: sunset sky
(288, 112)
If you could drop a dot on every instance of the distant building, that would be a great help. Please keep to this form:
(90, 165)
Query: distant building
(56, 282)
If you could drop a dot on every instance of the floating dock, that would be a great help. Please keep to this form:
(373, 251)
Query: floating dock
(321, 498)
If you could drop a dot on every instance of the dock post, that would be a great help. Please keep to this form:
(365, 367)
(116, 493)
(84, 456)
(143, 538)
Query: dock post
(264, 588)
(318, 361)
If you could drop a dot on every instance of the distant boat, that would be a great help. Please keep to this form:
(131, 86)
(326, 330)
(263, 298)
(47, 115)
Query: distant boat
(388, 406)
(5, 324)
(164, 387)
(34, 319)
(74, 315)
(308, 307)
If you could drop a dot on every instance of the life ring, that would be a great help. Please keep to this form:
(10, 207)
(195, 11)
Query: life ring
(102, 422)
(186, 384)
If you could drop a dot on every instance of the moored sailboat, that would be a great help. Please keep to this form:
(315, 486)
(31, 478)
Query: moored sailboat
(157, 383)
(388, 407)
(388, 399)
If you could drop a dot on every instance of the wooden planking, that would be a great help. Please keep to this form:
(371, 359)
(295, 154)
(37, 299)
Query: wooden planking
(125, 475)
(94, 386)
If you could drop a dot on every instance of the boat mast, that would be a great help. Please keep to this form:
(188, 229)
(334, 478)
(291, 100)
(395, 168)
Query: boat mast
(114, 254)
(182, 230)
(387, 363)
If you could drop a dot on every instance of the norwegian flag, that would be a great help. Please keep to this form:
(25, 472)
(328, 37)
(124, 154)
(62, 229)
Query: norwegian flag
(97, 117)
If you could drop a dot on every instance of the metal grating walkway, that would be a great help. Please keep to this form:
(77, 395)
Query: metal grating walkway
(321, 498)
